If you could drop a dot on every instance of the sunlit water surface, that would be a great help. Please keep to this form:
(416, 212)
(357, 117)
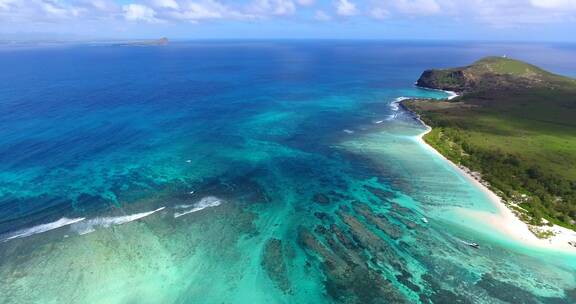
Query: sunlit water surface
(257, 172)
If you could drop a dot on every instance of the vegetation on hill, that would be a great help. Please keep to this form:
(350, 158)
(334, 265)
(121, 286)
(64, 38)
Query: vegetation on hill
(515, 124)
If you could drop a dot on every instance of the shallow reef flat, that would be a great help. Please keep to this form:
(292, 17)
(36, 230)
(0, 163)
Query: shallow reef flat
(264, 245)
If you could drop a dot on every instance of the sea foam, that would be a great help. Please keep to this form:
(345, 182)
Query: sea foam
(205, 202)
(451, 94)
(90, 225)
(395, 106)
(40, 228)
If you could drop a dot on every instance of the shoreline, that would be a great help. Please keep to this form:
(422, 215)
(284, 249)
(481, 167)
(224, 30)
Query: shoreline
(451, 94)
(505, 220)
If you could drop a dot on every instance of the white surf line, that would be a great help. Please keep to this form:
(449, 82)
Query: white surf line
(41, 228)
(451, 94)
(90, 225)
(205, 202)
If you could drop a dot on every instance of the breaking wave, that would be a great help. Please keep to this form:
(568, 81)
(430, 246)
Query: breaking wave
(90, 225)
(205, 202)
(40, 228)
(395, 106)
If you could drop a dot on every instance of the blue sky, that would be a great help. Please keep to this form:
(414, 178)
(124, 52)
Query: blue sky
(518, 20)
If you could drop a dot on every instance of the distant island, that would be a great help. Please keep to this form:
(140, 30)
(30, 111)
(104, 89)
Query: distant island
(154, 42)
(514, 124)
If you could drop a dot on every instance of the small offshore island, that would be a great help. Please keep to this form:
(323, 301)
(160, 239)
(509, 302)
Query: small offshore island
(511, 127)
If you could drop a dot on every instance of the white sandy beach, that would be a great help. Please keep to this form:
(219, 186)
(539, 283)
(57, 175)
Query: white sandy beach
(505, 220)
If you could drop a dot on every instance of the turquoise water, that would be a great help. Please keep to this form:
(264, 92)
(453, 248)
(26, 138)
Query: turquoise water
(260, 172)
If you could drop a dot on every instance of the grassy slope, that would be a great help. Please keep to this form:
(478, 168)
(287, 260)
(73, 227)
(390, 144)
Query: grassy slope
(522, 139)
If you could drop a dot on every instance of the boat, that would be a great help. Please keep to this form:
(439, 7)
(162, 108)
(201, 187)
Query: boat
(474, 245)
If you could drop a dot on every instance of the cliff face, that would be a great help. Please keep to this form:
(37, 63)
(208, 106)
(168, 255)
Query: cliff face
(448, 80)
(491, 73)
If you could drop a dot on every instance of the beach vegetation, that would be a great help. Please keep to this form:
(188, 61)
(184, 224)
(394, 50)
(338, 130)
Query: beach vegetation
(521, 136)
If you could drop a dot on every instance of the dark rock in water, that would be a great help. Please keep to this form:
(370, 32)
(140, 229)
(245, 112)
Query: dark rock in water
(401, 209)
(321, 199)
(505, 291)
(320, 229)
(381, 194)
(346, 280)
(274, 264)
(440, 295)
(363, 285)
(424, 299)
(344, 208)
(570, 295)
(510, 293)
(338, 195)
(322, 216)
(382, 251)
(309, 241)
(405, 280)
(344, 240)
(408, 223)
(430, 280)
(380, 221)
(443, 296)
(405, 246)
(351, 257)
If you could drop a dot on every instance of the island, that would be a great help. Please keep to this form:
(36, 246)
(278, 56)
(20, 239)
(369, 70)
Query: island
(513, 127)
(153, 42)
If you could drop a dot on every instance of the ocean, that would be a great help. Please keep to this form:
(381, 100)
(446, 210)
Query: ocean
(247, 172)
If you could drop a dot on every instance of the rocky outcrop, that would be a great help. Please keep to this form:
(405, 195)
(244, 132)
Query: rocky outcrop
(489, 74)
(448, 80)
(274, 264)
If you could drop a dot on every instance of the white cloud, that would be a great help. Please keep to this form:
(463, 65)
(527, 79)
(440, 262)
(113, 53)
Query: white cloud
(322, 16)
(101, 4)
(15, 13)
(5, 4)
(379, 13)
(554, 4)
(196, 11)
(284, 7)
(166, 4)
(346, 8)
(139, 12)
(496, 13)
(64, 14)
(418, 7)
(207, 10)
(515, 13)
(273, 7)
(306, 2)
(54, 10)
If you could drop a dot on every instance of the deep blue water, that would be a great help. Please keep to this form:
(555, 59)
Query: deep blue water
(87, 131)
(76, 121)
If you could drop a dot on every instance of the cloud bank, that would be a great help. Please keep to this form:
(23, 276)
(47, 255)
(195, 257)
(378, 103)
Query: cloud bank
(124, 13)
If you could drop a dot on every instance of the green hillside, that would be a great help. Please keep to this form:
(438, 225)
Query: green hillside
(516, 124)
